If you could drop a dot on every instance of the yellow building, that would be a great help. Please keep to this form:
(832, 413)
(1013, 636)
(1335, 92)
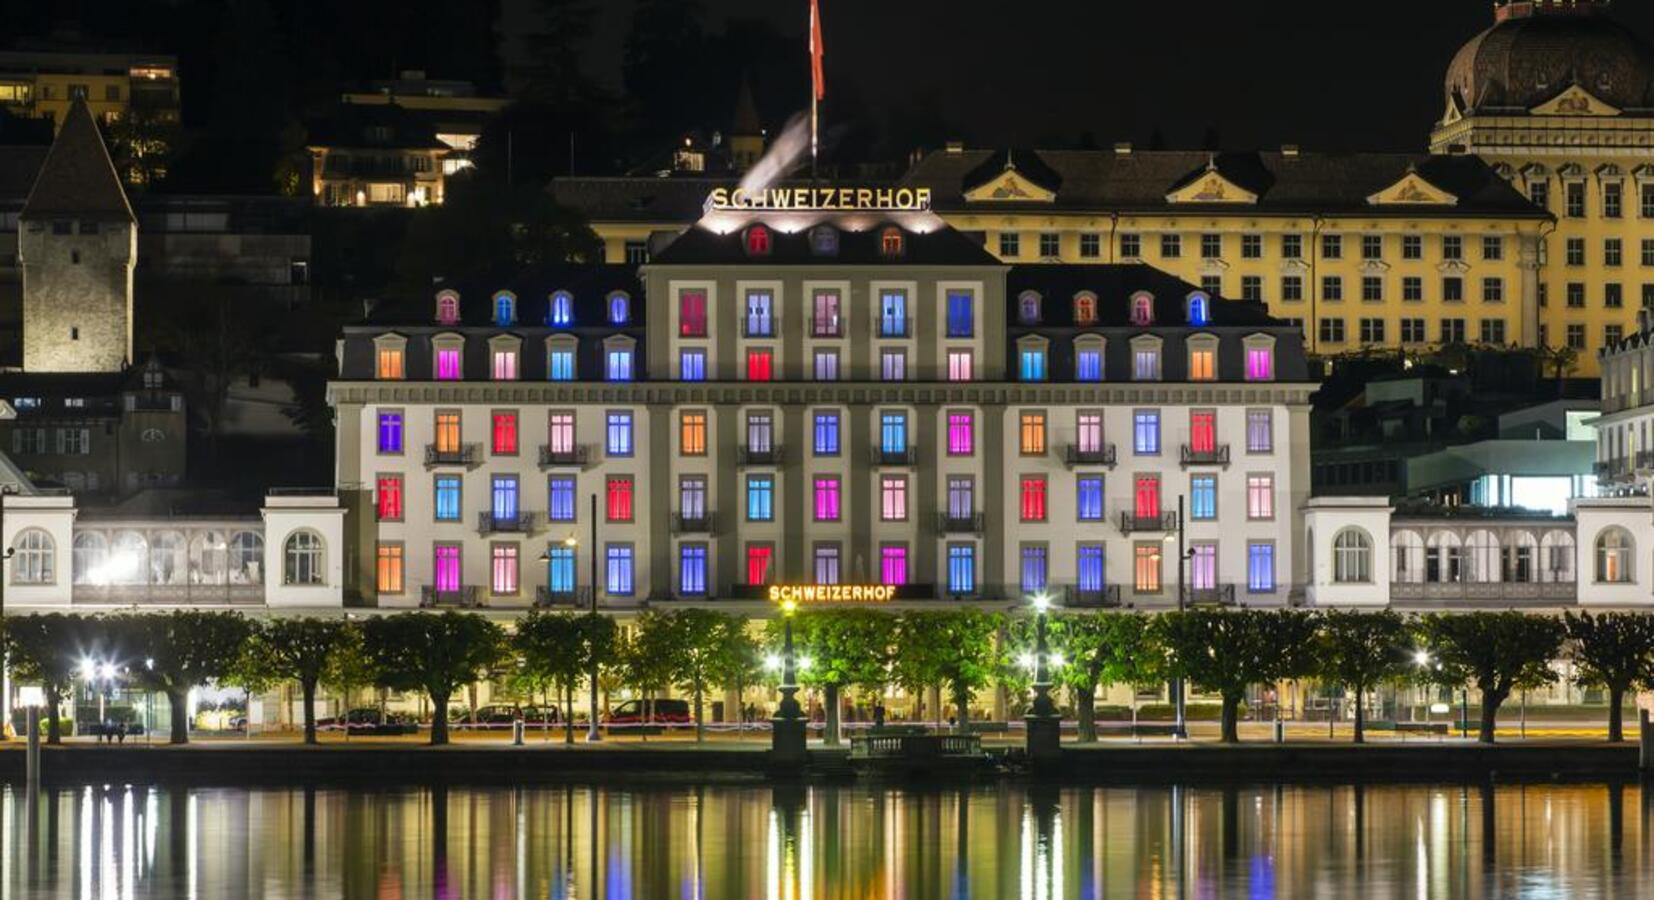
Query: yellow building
(1559, 99)
(42, 84)
(379, 154)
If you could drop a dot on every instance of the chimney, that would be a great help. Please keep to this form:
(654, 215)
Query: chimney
(1122, 149)
(954, 148)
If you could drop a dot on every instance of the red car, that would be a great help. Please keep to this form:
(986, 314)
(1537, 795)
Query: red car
(661, 712)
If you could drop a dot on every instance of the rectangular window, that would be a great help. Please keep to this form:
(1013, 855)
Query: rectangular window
(692, 313)
(505, 365)
(1146, 432)
(1033, 498)
(893, 432)
(1212, 284)
(447, 364)
(1203, 430)
(505, 433)
(827, 563)
(1452, 331)
(390, 366)
(1372, 246)
(826, 434)
(692, 569)
(1412, 246)
(1211, 246)
(618, 365)
(619, 498)
(1493, 331)
(1145, 365)
(447, 432)
(893, 314)
(1203, 566)
(1332, 288)
(560, 569)
(1292, 246)
(560, 498)
(619, 436)
(1493, 290)
(1145, 500)
(1050, 244)
(692, 498)
(1010, 244)
(893, 564)
(760, 320)
(619, 570)
(1574, 251)
(760, 498)
(1260, 567)
(1372, 331)
(1332, 246)
(1171, 246)
(1493, 248)
(1613, 295)
(892, 365)
(1251, 246)
(760, 432)
(1034, 568)
(1091, 245)
(1260, 364)
(1088, 432)
(560, 432)
(1089, 497)
(1260, 496)
(1033, 434)
(961, 433)
(826, 498)
(390, 498)
(759, 560)
(1088, 364)
(692, 433)
(1575, 199)
(503, 498)
(692, 365)
(1260, 431)
(1146, 568)
(390, 569)
(1576, 336)
(1539, 193)
(961, 569)
(1131, 246)
(1648, 251)
(446, 576)
(560, 365)
(760, 364)
(1372, 289)
(1252, 288)
(1648, 201)
(1292, 287)
(1332, 331)
(893, 498)
(1412, 331)
(1613, 252)
(1203, 364)
(961, 497)
(961, 314)
(959, 365)
(827, 319)
(1203, 497)
(1031, 364)
(446, 489)
(1452, 246)
(390, 432)
(503, 569)
(1575, 295)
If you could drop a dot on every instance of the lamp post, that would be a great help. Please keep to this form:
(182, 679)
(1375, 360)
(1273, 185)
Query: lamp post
(5, 667)
(1044, 724)
(593, 735)
(1180, 726)
(787, 743)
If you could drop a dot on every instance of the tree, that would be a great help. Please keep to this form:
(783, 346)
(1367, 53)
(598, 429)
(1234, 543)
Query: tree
(1495, 651)
(46, 650)
(1227, 652)
(559, 647)
(350, 667)
(846, 648)
(1360, 650)
(665, 41)
(954, 649)
(702, 644)
(183, 650)
(553, 74)
(646, 659)
(1613, 651)
(434, 653)
(1110, 648)
(302, 650)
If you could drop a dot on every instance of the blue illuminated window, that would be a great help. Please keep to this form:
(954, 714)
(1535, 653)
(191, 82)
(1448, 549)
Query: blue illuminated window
(620, 569)
(505, 310)
(560, 569)
(1089, 560)
(618, 365)
(1034, 559)
(692, 365)
(620, 434)
(961, 314)
(1260, 567)
(826, 434)
(447, 498)
(893, 432)
(504, 497)
(692, 569)
(1200, 310)
(562, 310)
(1090, 498)
(1088, 365)
(1146, 432)
(1203, 497)
(620, 309)
(560, 365)
(1031, 365)
(390, 432)
(760, 498)
(961, 569)
(560, 499)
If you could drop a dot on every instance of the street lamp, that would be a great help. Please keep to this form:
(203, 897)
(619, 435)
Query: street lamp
(1043, 706)
(789, 708)
(1180, 727)
(592, 734)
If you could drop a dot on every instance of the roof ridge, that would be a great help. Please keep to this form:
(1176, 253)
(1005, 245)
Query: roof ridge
(78, 176)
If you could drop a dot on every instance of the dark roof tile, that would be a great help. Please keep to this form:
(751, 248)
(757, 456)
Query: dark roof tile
(78, 179)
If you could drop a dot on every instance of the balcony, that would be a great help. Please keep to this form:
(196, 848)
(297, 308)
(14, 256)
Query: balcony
(521, 523)
(577, 456)
(1471, 594)
(747, 455)
(959, 523)
(1217, 455)
(696, 523)
(1131, 523)
(1216, 595)
(468, 455)
(1644, 460)
(892, 327)
(465, 597)
(752, 327)
(894, 456)
(1106, 597)
(1099, 455)
(224, 594)
(577, 598)
(1612, 469)
(827, 327)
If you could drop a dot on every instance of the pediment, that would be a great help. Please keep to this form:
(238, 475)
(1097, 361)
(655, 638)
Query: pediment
(1010, 186)
(1575, 101)
(1412, 190)
(1212, 187)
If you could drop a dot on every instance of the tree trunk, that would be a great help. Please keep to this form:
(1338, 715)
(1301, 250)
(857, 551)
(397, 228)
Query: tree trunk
(961, 702)
(439, 719)
(54, 730)
(1360, 716)
(471, 697)
(1085, 710)
(568, 713)
(179, 702)
(308, 687)
(1616, 726)
(1490, 712)
(1231, 713)
(830, 736)
(700, 718)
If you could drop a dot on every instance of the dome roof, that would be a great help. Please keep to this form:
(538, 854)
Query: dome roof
(1535, 51)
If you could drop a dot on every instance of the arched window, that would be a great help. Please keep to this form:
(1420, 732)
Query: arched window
(128, 558)
(758, 241)
(168, 559)
(1614, 553)
(1556, 557)
(1443, 558)
(1085, 308)
(1482, 552)
(1352, 557)
(1142, 309)
(620, 308)
(247, 558)
(561, 313)
(36, 560)
(505, 309)
(91, 558)
(1407, 549)
(1028, 311)
(824, 240)
(890, 241)
(1200, 309)
(447, 308)
(207, 558)
(302, 559)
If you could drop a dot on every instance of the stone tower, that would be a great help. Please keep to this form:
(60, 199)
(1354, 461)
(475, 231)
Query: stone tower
(77, 244)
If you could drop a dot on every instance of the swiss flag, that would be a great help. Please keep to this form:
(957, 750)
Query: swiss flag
(816, 77)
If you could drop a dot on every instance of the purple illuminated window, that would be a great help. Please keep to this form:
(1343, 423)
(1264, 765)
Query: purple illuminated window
(961, 435)
(447, 364)
(390, 432)
(827, 507)
(1260, 364)
(447, 567)
(893, 565)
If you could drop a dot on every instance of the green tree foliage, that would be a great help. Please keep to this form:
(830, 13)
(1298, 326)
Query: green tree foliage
(846, 648)
(559, 647)
(954, 649)
(1108, 648)
(1360, 650)
(699, 645)
(434, 653)
(302, 650)
(1495, 651)
(1228, 651)
(350, 668)
(1615, 652)
(182, 650)
(46, 650)
(646, 662)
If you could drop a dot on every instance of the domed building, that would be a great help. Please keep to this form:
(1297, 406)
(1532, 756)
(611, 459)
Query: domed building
(1558, 96)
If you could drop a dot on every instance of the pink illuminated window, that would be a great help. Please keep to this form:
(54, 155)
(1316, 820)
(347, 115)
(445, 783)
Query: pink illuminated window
(692, 314)
(760, 365)
(1146, 500)
(447, 309)
(447, 567)
(1203, 431)
(1260, 364)
(893, 565)
(447, 364)
(961, 434)
(505, 365)
(1033, 499)
(827, 499)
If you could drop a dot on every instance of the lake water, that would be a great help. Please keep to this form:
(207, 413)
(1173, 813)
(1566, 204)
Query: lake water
(723, 841)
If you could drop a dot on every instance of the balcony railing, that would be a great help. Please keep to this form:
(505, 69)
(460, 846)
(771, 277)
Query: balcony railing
(1216, 595)
(959, 523)
(1217, 455)
(1076, 597)
(832, 327)
(746, 455)
(465, 597)
(760, 328)
(579, 598)
(577, 456)
(169, 594)
(1131, 522)
(1644, 460)
(521, 523)
(1100, 455)
(695, 523)
(1619, 467)
(463, 455)
(1474, 593)
(892, 327)
(894, 456)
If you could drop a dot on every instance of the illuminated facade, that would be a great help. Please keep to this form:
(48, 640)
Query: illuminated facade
(42, 84)
(377, 154)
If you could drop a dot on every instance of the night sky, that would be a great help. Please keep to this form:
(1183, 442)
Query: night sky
(1329, 74)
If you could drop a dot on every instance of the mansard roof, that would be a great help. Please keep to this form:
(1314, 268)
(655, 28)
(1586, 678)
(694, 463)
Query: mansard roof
(858, 244)
(78, 179)
(589, 286)
(1114, 285)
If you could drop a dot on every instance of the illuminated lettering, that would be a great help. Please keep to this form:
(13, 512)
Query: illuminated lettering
(833, 199)
(831, 593)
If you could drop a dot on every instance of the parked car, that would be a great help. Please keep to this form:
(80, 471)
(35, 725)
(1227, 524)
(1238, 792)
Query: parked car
(502, 715)
(660, 712)
(367, 720)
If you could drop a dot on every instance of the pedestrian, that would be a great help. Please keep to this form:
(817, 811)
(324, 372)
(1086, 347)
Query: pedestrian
(878, 715)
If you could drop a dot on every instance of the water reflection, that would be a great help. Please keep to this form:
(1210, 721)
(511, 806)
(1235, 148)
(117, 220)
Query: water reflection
(829, 841)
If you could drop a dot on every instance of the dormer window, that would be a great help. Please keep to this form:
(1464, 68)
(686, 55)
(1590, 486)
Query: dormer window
(758, 241)
(561, 313)
(620, 309)
(447, 357)
(1028, 312)
(1085, 308)
(505, 309)
(890, 242)
(1200, 310)
(447, 308)
(1142, 309)
(824, 240)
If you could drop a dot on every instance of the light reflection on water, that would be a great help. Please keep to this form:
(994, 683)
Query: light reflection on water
(804, 843)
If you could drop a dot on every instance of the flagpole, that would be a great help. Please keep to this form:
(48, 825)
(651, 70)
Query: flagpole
(815, 87)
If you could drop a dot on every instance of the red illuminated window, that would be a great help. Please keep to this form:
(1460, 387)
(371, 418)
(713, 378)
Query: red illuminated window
(390, 497)
(1147, 498)
(505, 432)
(759, 557)
(1203, 431)
(890, 241)
(760, 365)
(620, 499)
(1033, 499)
(692, 314)
(758, 241)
